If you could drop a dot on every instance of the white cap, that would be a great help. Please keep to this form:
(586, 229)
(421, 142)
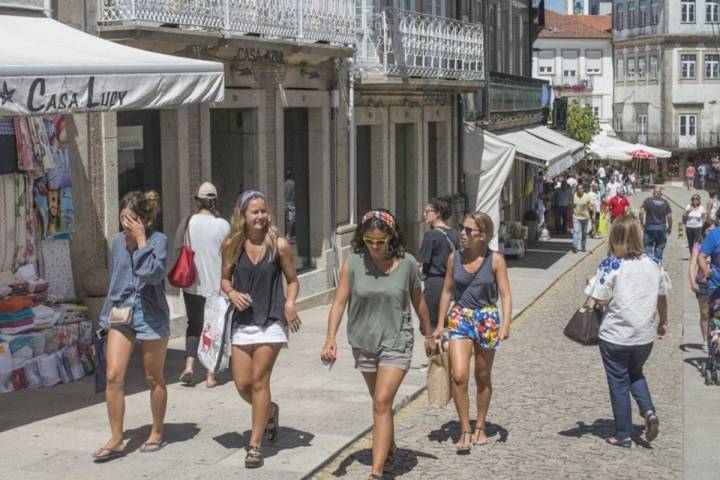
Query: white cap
(206, 190)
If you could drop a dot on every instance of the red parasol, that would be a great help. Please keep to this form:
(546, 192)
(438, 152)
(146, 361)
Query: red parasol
(642, 154)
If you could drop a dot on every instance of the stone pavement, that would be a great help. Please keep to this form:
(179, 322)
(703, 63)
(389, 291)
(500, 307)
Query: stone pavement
(550, 411)
(50, 433)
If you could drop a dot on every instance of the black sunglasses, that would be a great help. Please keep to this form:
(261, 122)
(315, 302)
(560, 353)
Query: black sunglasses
(468, 230)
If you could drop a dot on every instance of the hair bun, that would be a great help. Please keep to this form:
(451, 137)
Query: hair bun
(152, 199)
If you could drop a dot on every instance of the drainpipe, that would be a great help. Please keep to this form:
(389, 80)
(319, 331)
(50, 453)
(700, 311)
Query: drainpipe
(460, 128)
(352, 153)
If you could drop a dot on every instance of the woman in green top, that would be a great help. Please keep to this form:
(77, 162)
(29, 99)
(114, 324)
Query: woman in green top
(380, 281)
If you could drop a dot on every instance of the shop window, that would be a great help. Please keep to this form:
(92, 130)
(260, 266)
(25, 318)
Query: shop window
(296, 187)
(406, 182)
(233, 153)
(139, 155)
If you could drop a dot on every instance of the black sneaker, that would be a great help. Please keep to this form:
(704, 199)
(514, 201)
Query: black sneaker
(652, 426)
(574, 250)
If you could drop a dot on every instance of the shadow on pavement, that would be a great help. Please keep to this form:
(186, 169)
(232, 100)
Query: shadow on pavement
(603, 428)
(541, 255)
(690, 346)
(451, 431)
(173, 433)
(698, 363)
(406, 461)
(288, 438)
(31, 405)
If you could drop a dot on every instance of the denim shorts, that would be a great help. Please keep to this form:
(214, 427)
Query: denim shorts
(144, 328)
(370, 362)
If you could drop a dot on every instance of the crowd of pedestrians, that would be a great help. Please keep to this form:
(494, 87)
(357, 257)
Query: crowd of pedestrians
(465, 305)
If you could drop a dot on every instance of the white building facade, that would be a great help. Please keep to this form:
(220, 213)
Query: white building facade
(667, 80)
(577, 60)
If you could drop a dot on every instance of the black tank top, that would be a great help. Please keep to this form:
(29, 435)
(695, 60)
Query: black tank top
(477, 289)
(263, 282)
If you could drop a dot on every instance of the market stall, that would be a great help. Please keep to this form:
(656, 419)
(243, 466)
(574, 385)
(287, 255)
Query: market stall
(48, 71)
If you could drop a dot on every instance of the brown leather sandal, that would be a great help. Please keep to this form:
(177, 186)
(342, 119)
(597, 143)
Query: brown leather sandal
(254, 458)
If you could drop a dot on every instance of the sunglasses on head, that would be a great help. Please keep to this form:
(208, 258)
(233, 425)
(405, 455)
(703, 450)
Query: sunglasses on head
(380, 242)
(468, 230)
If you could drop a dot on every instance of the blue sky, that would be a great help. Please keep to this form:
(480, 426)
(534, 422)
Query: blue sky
(556, 5)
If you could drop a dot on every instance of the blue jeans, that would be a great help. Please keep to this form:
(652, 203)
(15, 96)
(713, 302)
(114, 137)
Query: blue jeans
(654, 240)
(624, 370)
(579, 233)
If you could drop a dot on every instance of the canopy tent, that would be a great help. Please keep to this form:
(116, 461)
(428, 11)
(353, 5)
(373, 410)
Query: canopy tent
(604, 147)
(538, 151)
(487, 164)
(49, 67)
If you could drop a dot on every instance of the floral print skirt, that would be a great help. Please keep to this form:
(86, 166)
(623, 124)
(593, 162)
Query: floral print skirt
(481, 325)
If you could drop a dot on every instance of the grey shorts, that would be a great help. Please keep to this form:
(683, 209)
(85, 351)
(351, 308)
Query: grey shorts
(370, 362)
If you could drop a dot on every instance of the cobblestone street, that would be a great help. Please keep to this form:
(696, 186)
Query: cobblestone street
(550, 411)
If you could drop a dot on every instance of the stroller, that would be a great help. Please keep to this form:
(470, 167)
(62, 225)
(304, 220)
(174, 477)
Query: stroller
(711, 370)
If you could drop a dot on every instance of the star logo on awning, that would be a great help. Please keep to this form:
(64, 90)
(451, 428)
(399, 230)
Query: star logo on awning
(6, 94)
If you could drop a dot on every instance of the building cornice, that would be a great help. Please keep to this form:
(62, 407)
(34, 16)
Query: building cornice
(666, 40)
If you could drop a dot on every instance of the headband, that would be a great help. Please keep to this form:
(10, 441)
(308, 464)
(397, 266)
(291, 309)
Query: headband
(384, 217)
(247, 196)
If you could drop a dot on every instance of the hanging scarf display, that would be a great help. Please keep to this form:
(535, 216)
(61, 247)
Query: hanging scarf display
(25, 154)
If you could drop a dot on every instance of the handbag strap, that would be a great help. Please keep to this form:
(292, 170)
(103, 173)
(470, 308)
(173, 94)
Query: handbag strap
(186, 236)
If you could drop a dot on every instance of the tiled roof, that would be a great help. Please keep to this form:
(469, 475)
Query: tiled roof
(576, 26)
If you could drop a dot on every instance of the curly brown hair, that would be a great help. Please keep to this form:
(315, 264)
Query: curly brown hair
(396, 247)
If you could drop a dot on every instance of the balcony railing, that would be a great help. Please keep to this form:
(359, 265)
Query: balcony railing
(572, 85)
(511, 94)
(401, 43)
(329, 21)
(655, 139)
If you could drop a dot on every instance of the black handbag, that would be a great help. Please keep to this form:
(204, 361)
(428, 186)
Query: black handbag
(584, 325)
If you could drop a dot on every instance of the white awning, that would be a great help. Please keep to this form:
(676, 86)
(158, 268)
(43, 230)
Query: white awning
(604, 147)
(558, 139)
(49, 67)
(538, 151)
(487, 162)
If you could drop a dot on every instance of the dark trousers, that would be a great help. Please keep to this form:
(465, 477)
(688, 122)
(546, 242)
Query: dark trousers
(561, 220)
(693, 234)
(195, 308)
(433, 289)
(654, 240)
(624, 370)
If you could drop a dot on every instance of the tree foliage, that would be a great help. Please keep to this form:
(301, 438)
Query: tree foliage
(582, 125)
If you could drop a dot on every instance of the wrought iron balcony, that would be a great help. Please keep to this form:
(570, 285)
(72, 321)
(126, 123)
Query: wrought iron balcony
(406, 44)
(329, 21)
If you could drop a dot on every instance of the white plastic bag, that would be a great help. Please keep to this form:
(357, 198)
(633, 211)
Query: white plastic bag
(214, 348)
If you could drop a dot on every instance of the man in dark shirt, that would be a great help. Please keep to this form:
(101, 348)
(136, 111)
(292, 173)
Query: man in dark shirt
(656, 219)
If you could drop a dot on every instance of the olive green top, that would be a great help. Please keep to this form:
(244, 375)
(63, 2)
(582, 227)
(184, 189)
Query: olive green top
(379, 316)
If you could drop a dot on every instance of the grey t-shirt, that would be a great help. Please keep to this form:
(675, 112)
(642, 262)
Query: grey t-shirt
(656, 210)
(379, 315)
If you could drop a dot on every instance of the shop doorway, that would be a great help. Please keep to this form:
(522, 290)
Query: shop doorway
(433, 159)
(297, 184)
(364, 168)
(139, 155)
(406, 182)
(233, 147)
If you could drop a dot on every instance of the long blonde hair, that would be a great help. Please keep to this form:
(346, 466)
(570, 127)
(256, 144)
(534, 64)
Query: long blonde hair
(236, 238)
(626, 238)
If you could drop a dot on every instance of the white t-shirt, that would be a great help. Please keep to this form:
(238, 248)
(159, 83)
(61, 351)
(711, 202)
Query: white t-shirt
(632, 287)
(206, 236)
(597, 201)
(571, 182)
(694, 216)
(611, 189)
(601, 172)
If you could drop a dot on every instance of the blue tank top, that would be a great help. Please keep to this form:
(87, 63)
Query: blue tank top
(477, 289)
